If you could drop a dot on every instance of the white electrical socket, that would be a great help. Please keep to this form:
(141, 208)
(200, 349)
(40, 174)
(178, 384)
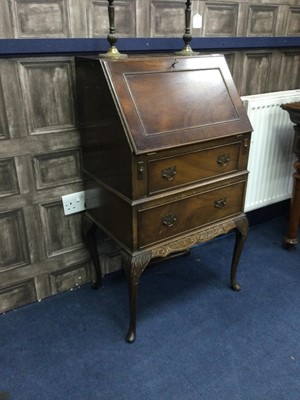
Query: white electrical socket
(74, 202)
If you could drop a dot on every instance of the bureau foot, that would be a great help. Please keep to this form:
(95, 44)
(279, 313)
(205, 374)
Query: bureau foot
(289, 244)
(91, 242)
(235, 286)
(241, 233)
(130, 337)
(134, 267)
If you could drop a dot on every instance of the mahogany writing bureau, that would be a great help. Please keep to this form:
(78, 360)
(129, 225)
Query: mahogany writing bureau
(165, 144)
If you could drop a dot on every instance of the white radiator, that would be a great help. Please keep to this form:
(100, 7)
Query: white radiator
(271, 155)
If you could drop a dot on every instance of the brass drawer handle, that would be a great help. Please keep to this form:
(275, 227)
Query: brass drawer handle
(169, 220)
(168, 173)
(221, 203)
(223, 159)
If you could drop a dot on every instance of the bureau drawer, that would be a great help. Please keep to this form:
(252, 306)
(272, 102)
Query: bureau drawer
(183, 169)
(170, 219)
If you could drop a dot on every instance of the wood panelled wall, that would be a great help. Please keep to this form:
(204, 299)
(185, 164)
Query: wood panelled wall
(41, 250)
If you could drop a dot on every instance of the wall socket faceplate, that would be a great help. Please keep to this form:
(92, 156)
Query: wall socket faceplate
(74, 202)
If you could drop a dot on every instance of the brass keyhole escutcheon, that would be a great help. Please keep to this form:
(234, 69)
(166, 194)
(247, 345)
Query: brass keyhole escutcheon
(140, 170)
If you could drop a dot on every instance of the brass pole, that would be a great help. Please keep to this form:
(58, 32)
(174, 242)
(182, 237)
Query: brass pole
(187, 37)
(112, 38)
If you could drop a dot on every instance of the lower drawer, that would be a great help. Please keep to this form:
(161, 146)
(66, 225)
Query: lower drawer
(164, 221)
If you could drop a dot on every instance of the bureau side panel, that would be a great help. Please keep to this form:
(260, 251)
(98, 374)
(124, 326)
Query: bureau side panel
(105, 150)
(111, 212)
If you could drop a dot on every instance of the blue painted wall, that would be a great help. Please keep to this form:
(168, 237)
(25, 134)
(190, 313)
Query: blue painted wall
(10, 47)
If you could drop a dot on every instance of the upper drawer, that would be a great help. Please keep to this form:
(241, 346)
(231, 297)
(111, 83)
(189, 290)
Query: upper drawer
(162, 221)
(171, 172)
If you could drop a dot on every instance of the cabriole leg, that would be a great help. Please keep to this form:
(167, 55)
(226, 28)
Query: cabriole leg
(241, 233)
(90, 235)
(134, 267)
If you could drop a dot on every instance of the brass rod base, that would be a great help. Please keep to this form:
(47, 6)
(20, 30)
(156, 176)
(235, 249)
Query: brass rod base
(113, 52)
(186, 51)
